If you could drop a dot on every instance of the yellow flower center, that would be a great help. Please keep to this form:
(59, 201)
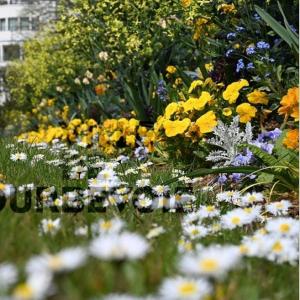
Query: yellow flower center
(195, 232)
(252, 198)
(210, 208)
(50, 226)
(209, 264)
(284, 227)
(23, 291)
(235, 220)
(55, 263)
(187, 288)
(106, 225)
(277, 247)
(2, 186)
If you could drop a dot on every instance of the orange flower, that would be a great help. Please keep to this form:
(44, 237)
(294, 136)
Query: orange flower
(290, 103)
(291, 139)
(100, 89)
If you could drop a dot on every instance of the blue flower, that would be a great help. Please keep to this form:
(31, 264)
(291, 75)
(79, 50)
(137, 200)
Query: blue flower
(240, 65)
(250, 50)
(161, 91)
(256, 17)
(250, 66)
(222, 179)
(243, 159)
(236, 177)
(293, 28)
(228, 52)
(269, 135)
(231, 35)
(240, 28)
(263, 45)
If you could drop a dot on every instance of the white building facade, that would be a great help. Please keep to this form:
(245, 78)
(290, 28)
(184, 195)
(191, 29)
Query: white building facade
(19, 20)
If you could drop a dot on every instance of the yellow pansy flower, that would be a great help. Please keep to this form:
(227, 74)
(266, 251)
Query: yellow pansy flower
(194, 84)
(232, 91)
(173, 128)
(130, 140)
(258, 97)
(246, 112)
(207, 122)
(171, 109)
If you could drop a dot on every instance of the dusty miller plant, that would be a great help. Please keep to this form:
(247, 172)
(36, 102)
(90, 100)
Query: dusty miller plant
(228, 138)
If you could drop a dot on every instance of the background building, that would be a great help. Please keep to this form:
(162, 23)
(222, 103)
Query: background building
(19, 20)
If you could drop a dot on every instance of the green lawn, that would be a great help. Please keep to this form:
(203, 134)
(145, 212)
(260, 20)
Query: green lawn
(253, 279)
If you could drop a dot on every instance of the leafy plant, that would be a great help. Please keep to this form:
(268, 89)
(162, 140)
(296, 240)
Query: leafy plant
(290, 37)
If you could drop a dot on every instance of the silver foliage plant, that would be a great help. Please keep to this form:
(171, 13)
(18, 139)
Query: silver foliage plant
(228, 138)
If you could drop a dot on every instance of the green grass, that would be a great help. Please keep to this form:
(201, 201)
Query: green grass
(20, 239)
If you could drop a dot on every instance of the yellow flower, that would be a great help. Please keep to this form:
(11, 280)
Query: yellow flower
(186, 3)
(227, 8)
(130, 140)
(194, 84)
(207, 122)
(178, 81)
(116, 136)
(258, 97)
(246, 112)
(291, 139)
(209, 67)
(91, 122)
(232, 91)
(172, 128)
(171, 109)
(227, 111)
(171, 69)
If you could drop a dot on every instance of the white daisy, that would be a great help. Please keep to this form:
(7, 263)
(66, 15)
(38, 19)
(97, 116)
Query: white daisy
(251, 198)
(143, 201)
(8, 276)
(213, 261)
(179, 288)
(36, 287)
(279, 207)
(122, 246)
(102, 226)
(19, 156)
(143, 183)
(50, 226)
(65, 260)
(195, 231)
(283, 226)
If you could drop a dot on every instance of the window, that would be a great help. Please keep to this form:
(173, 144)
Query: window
(2, 25)
(13, 24)
(35, 23)
(11, 52)
(24, 24)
